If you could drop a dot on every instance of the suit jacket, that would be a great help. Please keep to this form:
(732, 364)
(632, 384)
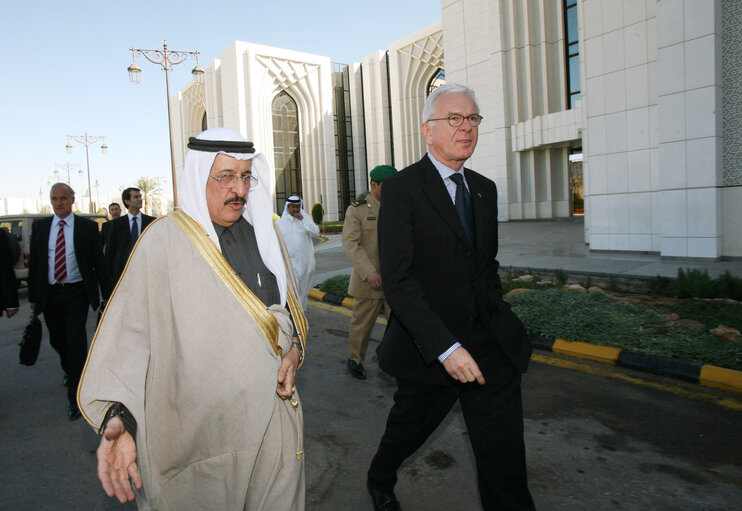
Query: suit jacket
(118, 244)
(105, 233)
(438, 287)
(8, 282)
(89, 259)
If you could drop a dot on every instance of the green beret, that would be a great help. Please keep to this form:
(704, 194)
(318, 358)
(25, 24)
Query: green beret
(381, 172)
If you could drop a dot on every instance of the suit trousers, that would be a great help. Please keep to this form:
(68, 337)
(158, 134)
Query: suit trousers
(365, 312)
(493, 415)
(65, 315)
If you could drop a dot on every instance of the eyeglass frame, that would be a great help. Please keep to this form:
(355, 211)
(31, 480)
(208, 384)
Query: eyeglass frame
(463, 117)
(253, 180)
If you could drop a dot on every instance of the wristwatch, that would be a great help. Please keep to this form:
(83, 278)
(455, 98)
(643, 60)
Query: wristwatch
(297, 345)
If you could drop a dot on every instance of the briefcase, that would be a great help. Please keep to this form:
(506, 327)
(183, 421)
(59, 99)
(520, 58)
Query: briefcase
(31, 341)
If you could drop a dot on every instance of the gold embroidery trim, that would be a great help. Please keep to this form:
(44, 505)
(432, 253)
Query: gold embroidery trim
(214, 257)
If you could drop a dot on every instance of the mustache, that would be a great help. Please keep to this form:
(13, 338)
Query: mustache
(237, 198)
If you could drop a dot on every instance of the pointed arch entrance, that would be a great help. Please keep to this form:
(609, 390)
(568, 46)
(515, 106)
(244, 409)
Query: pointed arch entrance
(286, 148)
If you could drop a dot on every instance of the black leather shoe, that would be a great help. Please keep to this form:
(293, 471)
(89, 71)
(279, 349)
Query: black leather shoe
(73, 413)
(356, 370)
(383, 500)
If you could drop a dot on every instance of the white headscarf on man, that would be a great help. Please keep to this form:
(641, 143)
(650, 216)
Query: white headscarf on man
(258, 210)
(294, 199)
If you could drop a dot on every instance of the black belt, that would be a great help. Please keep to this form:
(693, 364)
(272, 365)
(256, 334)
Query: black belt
(67, 285)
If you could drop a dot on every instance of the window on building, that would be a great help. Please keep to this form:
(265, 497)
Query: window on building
(439, 78)
(345, 168)
(286, 148)
(572, 48)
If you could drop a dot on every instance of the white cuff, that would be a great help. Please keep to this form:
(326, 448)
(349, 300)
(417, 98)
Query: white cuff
(448, 352)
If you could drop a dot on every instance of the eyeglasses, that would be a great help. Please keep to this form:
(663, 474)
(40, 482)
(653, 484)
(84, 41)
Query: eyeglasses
(229, 180)
(456, 120)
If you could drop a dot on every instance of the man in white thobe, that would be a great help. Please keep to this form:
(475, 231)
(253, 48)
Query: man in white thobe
(190, 378)
(298, 229)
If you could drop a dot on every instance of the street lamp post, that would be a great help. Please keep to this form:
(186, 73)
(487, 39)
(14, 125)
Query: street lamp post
(68, 167)
(86, 140)
(167, 59)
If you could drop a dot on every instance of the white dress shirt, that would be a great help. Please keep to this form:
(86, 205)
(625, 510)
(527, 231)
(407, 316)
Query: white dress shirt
(73, 271)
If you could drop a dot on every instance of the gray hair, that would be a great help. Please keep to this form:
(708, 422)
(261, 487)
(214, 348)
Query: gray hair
(70, 191)
(448, 88)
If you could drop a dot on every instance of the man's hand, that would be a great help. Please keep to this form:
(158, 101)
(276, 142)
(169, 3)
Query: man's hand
(117, 462)
(462, 367)
(11, 312)
(374, 280)
(33, 306)
(297, 215)
(287, 374)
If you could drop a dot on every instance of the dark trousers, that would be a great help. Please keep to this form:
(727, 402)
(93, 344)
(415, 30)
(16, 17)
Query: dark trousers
(494, 418)
(65, 315)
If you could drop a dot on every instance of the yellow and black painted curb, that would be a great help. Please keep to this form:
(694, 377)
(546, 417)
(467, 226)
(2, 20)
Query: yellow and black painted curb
(703, 374)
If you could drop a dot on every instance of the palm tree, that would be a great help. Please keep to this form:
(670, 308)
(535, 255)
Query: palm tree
(150, 187)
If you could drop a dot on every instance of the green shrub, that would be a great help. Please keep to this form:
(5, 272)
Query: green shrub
(337, 285)
(361, 196)
(694, 283)
(318, 213)
(728, 286)
(613, 284)
(661, 286)
(560, 276)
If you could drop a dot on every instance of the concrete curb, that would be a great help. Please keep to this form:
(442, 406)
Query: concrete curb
(707, 375)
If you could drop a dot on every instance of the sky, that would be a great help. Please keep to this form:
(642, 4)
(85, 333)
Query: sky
(65, 74)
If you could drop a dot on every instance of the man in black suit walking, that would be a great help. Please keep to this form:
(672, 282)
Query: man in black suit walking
(451, 336)
(66, 269)
(105, 230)
(124, 232)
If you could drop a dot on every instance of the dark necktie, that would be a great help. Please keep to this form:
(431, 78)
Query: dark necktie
(134, 231)
(60, 256)
(464, 208)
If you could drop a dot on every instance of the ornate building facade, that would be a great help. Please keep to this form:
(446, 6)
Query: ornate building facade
(625, 111)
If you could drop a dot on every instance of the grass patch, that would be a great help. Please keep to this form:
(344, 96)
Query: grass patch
(596, 319)
(330, 226)
(337, 285)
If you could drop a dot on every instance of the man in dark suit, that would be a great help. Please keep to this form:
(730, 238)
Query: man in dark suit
(451, 336)
(124, 232)
(66, 269)
(8, 282)
(105, 230)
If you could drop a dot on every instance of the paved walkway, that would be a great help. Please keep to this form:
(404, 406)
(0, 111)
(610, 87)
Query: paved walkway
(561, 244)
(551, 245)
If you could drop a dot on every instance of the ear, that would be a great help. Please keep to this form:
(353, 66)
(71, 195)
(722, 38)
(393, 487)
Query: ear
(426, 132)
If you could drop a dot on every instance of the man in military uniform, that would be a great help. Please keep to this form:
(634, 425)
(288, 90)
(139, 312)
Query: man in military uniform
(361, 247)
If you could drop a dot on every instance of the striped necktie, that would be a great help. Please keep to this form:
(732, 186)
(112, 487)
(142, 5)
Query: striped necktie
(60, 256)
